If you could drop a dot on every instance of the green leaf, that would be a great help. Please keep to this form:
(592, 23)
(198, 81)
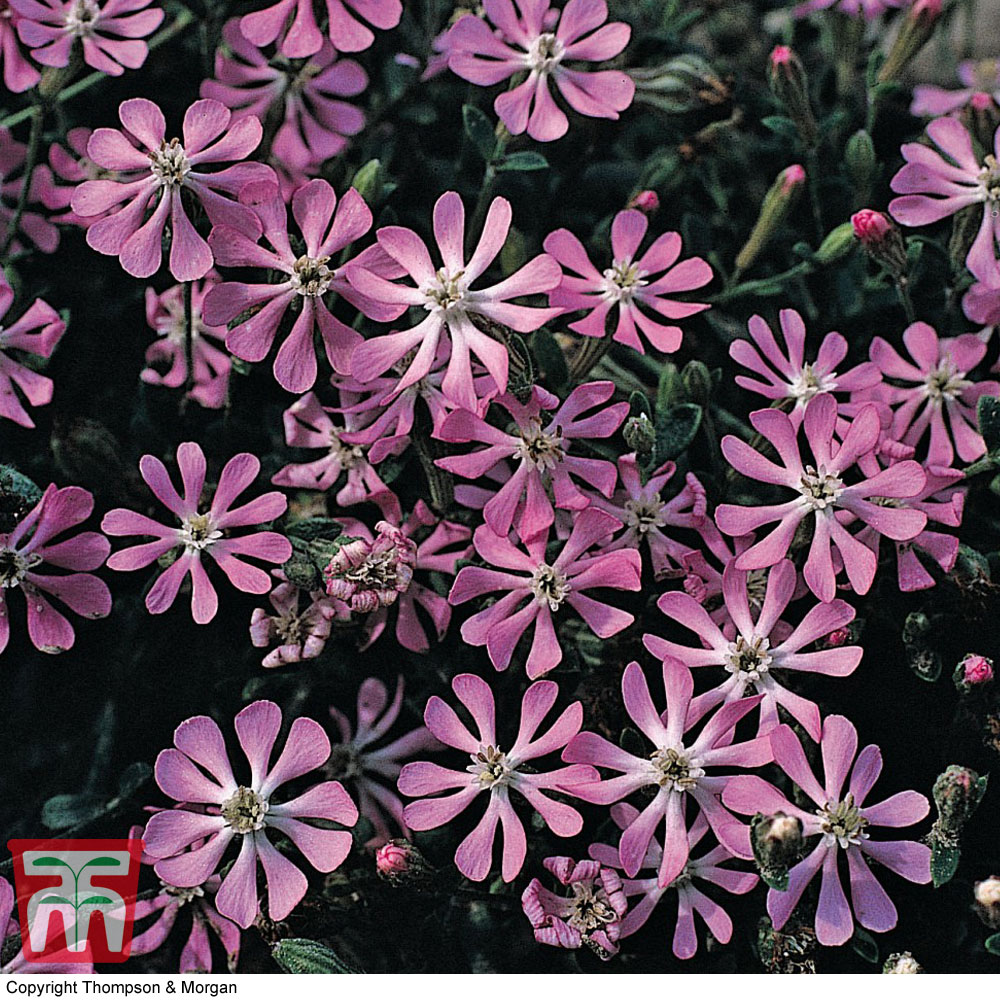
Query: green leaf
(301, 956)
(480, 131)
(780, 125)
(944, 863)
(102, 863)
(311, 528)
(523, 161)
(993, 944)
(550, 358)
(97, 901)
(63, 811)
(670, 389)
(988, 412)
(133, 778)
(48, 862)
(55, 899)
(676, 429)
(865, 945)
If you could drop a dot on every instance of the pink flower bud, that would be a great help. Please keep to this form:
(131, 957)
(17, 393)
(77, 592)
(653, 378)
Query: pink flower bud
(838, 637)
(881, 238)
(976, 670)
(781, 55)
(986, 896)
(870, 226)
(646, 202)
(981, 101)
(393, 859)
(792, 178)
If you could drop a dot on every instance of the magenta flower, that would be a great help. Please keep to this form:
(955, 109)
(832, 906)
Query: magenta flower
(534, 590)
(39, 230)
(787, 376)
(690, 900)
(345, 24)
(233, 809)
(109, 32)
(68, 163)
(316, 121)
(301, 633)
(934, 187)
(166, 357)
(326, 228)
(18, 73)
(541, 443)
(591, 916)
(761, 651)
(155, 171)
(842, 823)
(308, 425)
(367, 767)
(675, 770)
(628, 284)
(822, 492)
(445, 293)
(496, 772)
(29, 548)
(981, 304)
(526, 39)
(35, 334)
(936, 394)
(642, 510)
(201, 532)
(18, 964)
(980, 78)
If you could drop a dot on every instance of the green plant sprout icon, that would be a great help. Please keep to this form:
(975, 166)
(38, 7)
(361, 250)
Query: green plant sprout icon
(75, 898)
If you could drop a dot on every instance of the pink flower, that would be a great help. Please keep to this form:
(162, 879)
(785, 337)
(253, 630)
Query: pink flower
(18, 73)
(301, 633)
(534, 590)
(690, 900)
(393, 860)
(376, 571)
(109, 31)
(763, 649)
(233, 809)
(367, 767)
(978, 76)
(934, 188)
(166, 358)
(590, 916)
(446, 295)
(525, 39)
(201, 532)
(869, 9)
(326, 228)
(628, 284)
(675, 770)
(27, 550)
(542, 444)
(981, 304)
(787, 376)
(316, 122)
(822, 494)
(308, 425)
(39, 230)
(842, 823)
(975, 670)
(69, 163)
(36, 334)
(936, 394)
(647, 202)
(18, 964)
(154, 171)
(347, 32)
(870, 227)
(496, 772)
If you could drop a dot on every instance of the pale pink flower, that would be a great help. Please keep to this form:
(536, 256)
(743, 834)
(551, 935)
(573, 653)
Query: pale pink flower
(535, 590)
(38, 230)
(109, 32)
(18, 963)
(638, 287)
(820, 482)
(446, 295)
(676, 771)
(543, 446)
(590, 916)
(198, 774)
(496, 772)
(526, 39)
(690, 900)
(153, 171)
(842, 823)
(19, 74)
(36, 334)
(28, 550)
(978, 76)
(300, 632)
(201, 533)
(760, 654)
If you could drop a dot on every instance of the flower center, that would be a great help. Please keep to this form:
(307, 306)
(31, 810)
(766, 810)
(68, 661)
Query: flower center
(14, 567)
(622, 280)
(169, 163)
(842, 822)
(311, 276)
(989, 180)
(820, 488)
(677, 769)
(344, 762)
(198, 532)
(245, 810)
(347, 455)
(750, 659)
(446, 292)
(984, 74)
(545, 53)
(756, 587)
(290, 628)
(181, 894)
(945, 382)
(372, 576)
(542, 450)
(590, 908)
(490, 767)
(645, 514)
(82, 17)
(807, 384)
(549, 586)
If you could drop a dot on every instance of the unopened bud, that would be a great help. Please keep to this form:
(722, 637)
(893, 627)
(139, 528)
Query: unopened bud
(916, 626)
(837, 244)
(778, 202)
(838, 637)
(973, 671)
(790, 85)
(640, 434)
(369, 182)
(861, 161)
(682, 84)
(777, 844)
(917, 27)
(957, 793)
(646, 202)
(986, 896)
(697, 381)
(901, 963)
(400, 863)
(881, 239)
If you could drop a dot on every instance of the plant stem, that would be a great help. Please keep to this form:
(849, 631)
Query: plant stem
(31, 161)
(903, 288)
(489, 185)
(812, 158)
